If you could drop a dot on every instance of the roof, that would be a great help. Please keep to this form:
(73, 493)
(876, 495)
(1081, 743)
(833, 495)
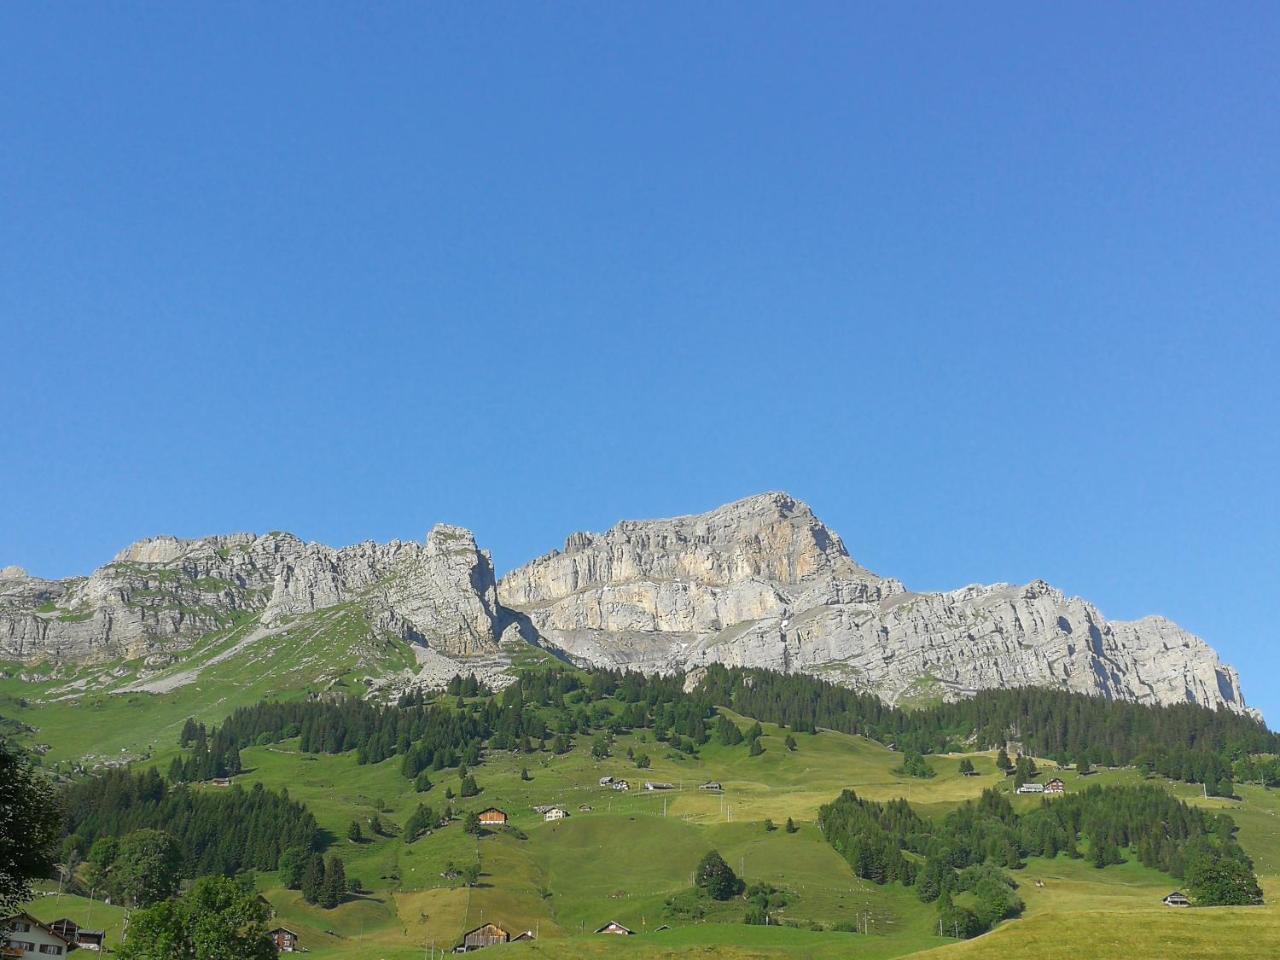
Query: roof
(612, 924)
(284, 930)
(486, 926)
(492, 810)
(28, 918)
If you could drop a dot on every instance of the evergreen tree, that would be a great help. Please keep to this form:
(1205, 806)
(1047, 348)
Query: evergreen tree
(354, 833)
(791, 826)
(313, 881)
(334, 889)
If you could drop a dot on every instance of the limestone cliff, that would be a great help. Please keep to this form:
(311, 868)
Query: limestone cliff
(763, 583)
(161, 594)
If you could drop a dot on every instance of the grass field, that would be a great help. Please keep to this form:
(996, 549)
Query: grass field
(630, 852)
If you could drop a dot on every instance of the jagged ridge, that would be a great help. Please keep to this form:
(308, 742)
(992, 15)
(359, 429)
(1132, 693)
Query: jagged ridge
(760, 582)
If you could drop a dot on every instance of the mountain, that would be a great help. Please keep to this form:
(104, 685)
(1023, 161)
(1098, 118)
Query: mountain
(162, 599)
(761, 582)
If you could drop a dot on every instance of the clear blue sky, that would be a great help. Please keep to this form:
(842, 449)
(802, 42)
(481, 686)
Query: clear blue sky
(995, 292)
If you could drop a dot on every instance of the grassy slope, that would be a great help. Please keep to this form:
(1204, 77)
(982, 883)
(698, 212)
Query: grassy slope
(624, 858)
(78, 716)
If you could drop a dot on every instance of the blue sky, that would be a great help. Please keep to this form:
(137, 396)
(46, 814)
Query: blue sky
(997, 294)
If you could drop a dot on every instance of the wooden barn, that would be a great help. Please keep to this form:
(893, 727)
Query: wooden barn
(484, 936)
(615, 928)
(493, 817)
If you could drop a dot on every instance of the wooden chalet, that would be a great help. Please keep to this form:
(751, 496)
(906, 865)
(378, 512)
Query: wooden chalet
(1055, 787)
(711, 785)
(1177, 899)
(286, 940)
(524, 937)
(483, 936)
(615, 928)
(493, 817)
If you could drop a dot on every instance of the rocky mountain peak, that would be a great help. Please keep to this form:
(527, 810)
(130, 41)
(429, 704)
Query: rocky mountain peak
(758, 582)
(763, 582)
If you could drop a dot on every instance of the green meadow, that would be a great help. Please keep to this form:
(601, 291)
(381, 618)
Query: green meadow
(622, 856)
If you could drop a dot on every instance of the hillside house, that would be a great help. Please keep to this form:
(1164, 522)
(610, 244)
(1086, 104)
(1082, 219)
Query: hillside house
(584, 808)
(555, 813)
(524, 937)
(615, 928)
(285, 940)
(28, 937)
(605, 781)
(1055, 787)
(653, 785)
(221, 781)
(620, 785)
(1177, 899)
(84, 939)
(493, 817)
(483, 936)
(1034, 788)
(711, 785)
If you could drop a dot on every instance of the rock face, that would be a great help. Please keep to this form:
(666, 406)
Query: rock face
(762, 583)
(758, 583)
(161, 594)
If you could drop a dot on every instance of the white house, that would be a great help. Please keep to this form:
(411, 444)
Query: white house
(28, 937)
(555, 813)
(1031, 788)
(605, 781)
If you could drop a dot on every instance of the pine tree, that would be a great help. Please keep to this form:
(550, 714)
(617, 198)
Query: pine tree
(313, 881)
(335, 884)
(354, 833)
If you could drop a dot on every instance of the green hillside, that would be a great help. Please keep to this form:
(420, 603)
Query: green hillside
(629, 857)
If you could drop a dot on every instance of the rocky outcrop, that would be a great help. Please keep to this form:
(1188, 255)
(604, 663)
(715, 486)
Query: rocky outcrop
(763, 583)
(163, 593)
(760, 583)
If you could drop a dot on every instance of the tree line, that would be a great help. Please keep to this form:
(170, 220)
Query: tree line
(1183, 741)
(970, 848)
(222, 832)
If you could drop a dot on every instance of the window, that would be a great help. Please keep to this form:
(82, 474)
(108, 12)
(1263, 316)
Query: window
(21, 926)
(23, 945)
(50, 948)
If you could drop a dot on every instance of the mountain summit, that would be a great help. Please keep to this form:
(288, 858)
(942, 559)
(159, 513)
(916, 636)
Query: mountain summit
(761, 582)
